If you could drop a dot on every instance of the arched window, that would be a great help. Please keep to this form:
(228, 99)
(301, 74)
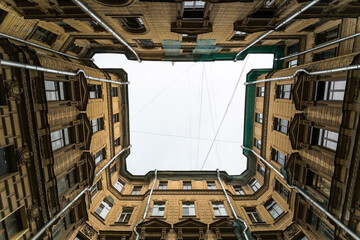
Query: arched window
(132, 24)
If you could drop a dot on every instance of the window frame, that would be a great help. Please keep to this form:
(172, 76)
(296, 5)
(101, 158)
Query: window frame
(211, 185)
(260, 91)
(158, 206)
(95, 91)
(281, 125)
(187, 185)
(255, 185)
(107, 206)
(190, 206)
(119, 185)
(282, 92)
(254, 215)
(64, 138)
(220, 206)
(125, 215)
(163, 185)
(136, 190)
(273, 208)
(259, 118)
(257, 143)
(277, 157)
(99, 156)
(56, 92)
(239, 190)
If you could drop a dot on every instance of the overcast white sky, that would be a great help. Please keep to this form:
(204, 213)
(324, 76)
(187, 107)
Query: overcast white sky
(176, 109)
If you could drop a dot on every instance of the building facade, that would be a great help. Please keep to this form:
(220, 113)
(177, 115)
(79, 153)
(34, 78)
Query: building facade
(64, 134)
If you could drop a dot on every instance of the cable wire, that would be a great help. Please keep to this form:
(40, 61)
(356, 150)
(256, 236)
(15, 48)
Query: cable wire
(201, 98)
(161, 92)
(226, 111)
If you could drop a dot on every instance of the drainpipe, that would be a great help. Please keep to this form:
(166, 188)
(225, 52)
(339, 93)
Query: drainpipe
(104, 25)
(307, 197)
(353, 67)
(320, 46)
(87, 189)
(276, 28)
(49, 70)
(147, 206)
(41, 47)
(231, 206)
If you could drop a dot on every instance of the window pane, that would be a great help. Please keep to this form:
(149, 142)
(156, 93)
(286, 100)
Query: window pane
(13, 223)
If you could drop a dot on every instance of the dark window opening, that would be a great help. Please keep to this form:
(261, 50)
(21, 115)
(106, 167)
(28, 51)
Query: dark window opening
(147, 43)
(189, 38)
(283, 91)
(99, 156)
(132, 24)
(66, 182)
(117, 142)
(261, 170)
(60, 138)
(257, 143)
(281, 125)
(56, 91)
(330, 90)
(258, 118)
(11, 225)
(193, 10)
(325, 55)
(327, 35)
(2, 15)
(44, 36)
(114, 92)
(5, 160)
(75, 48)
(94, 91)
(282, 190)
(97, 124)
(260, 91)
(318, 182)
(293, 48)
(115, 118)
(65, 26)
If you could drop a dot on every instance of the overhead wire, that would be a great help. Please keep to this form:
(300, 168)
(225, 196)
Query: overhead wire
(190, 132)
(225, 113)
(212, 119)
(179, 136)
(161, 92)
(199, 127)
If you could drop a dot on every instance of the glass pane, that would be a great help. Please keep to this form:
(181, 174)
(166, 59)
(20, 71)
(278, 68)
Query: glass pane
(4, 161)
(13, 223)
(56, 145)
(50, 85)
(62, 185)
(66, 136)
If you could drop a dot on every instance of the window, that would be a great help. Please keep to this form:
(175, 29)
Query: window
(99, 156)
(162, 185)
(219, 209)
(11, 225)
(158, 209)
(125, 215)
(292, 48)
(118, 185)
(94, 91)
(261, 170)
(44, 36)
(258, 118)
(103, 209)
(188, 209)
(255, 185)
(283, 91)
(115, 118)
(97, 124)
(112, 170)
(114, 92)
(330, 90)
(324, 138)
(281, 125)
(325, 55)
(239, 190)
(60, 227)
(278, 157)
(239, 36)
(147, 43)
(65, 26)
(282, 190)
(187, 185)
(55, 91)
(189, 38)
(136, 190)
(117, 142)
(260, 91)
(60, 138)
(95, 189)
(193, 10)
(2, 15)
(253, 215)
(318, 182)
(211, 185)
(274, 209)
(327, 35)
(75, 48)
(5, 161)
(132, 24)
(320, 226)
(257, 143)
(292, 63)
(66, 182)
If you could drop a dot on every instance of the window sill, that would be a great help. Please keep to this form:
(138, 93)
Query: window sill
(190, 216)
(125, 224)
(19, 234)
(280, 217)
(98, 218)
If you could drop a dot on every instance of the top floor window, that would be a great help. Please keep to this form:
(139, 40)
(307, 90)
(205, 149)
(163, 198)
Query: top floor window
(158, 209)
(187, 185)
(260, 91)
(162, 185)
(118, 185)
(60, 138)
(94, 91)
(273, 208)
(132, 24)
(136, 190)
(219, 209)
(330, 90)
(193, 10)
(211, 185)
(56, 91)
(258, 118)
(239, 190)
(327, 35)
(188, 209)
(114, 92)
(44, 36)
(283, 91)
(257, 143)
(255, 185)
(325, 55)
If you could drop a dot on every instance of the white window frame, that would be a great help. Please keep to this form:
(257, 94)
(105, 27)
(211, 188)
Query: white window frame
(125, 215)
(219, 209)
(158, 209)
(103, 209)
(118, 185)
(188, 209)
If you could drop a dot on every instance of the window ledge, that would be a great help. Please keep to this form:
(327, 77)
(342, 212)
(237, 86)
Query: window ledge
(125, 224)
(280, 217)
(98, 218)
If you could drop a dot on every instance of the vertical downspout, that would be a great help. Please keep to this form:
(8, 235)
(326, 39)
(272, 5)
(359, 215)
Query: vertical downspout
(231, 206)
(305, 195)
(147, 205)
